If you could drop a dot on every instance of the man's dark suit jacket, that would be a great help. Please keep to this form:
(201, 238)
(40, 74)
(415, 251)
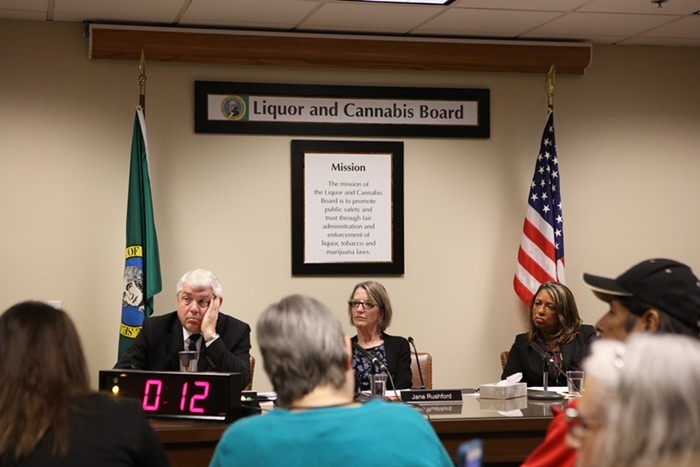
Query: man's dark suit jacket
(157, 345)
(524, 359)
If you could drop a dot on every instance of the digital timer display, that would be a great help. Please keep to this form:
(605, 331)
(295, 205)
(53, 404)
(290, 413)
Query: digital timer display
(211, 396)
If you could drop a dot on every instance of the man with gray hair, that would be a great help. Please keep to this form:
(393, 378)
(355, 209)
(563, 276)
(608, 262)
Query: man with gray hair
(308, 360)
(223, 342)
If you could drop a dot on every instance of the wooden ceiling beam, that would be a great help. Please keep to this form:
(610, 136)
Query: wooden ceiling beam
(110, 42)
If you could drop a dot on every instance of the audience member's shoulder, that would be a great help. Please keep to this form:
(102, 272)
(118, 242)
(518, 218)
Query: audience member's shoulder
(99, 403)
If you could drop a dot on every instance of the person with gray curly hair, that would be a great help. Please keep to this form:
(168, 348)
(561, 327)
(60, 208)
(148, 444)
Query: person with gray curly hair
(625, 418)
(307, 357)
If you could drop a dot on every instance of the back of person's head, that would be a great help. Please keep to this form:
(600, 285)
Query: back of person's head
(667, 286)
(377, 294)
(200, 279)
(303, 347)
(567, 311)
(654, 415)
(42, 367)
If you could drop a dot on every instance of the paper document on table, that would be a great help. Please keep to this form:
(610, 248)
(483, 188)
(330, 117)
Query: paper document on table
(559, 389)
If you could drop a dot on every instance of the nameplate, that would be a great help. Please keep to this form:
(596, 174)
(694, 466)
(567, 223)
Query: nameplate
(440, 409)
(434, 396)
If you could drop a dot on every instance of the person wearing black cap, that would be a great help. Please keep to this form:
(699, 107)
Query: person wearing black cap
(655, 296)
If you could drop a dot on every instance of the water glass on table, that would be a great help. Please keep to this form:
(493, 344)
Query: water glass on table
(574, 379)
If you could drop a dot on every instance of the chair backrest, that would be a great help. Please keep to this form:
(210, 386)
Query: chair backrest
(504, 359)
(252, 372)
(426, 366)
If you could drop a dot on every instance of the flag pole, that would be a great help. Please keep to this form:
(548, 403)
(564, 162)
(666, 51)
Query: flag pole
(142, 82)
(549, 86)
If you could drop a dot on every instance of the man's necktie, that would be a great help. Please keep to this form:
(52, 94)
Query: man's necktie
(193, 342)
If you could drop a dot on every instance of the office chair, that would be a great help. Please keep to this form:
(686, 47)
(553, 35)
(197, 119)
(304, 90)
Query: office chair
(426, 366)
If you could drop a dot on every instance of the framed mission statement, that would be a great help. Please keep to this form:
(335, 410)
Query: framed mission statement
(347, 207)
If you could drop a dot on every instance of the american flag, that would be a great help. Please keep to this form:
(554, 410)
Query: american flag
(541, 253)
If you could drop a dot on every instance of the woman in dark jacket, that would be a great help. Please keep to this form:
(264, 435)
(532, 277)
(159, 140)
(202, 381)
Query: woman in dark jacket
(555, 333)
(370, 312)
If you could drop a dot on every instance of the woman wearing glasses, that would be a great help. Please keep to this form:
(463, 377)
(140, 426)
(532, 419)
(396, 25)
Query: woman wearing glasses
(370, 312)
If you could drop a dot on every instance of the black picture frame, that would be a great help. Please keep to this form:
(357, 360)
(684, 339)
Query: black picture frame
(203, 124)
(346, 264)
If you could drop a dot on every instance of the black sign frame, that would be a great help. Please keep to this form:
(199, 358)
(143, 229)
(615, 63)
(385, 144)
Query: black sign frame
(395, 266)
(202, 89)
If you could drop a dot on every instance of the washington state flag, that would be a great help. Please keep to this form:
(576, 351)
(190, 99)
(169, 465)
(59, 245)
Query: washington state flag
(142, 264)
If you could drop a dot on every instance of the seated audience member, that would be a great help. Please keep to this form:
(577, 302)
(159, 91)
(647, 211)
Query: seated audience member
(655, 296)
(628, 419)
(308, 360)
(556, 331)
(223, 342)
(370, 312)
(48, 415)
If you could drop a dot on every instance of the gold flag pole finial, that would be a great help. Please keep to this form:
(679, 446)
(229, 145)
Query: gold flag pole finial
(549, 86)
(142, 81)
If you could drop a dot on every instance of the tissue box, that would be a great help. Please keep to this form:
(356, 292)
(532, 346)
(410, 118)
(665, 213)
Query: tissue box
(508, 391)
(503, 405)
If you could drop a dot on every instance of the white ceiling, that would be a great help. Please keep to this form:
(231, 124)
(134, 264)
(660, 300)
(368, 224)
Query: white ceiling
(623, 22)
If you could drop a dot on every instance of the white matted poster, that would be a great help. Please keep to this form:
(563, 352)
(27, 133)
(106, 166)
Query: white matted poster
(347, 207)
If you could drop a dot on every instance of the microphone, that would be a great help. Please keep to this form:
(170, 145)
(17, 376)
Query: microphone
(374, 360)
(549, 360)
(375, 364)
(545, 394)
(420, 373)
(540, 351)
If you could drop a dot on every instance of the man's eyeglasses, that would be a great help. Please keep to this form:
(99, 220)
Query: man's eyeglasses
(365, 305)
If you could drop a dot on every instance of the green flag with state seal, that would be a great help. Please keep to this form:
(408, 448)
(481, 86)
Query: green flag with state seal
(142, 279)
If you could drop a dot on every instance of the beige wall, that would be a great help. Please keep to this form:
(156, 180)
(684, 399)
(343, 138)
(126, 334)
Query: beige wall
(628, 135)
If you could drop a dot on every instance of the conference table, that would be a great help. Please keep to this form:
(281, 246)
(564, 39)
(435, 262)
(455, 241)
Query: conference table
(510, 430)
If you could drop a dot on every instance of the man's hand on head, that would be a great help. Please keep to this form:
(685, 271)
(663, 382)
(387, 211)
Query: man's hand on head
(210, 318)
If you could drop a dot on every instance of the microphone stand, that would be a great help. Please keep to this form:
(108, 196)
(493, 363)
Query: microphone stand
(376, 364)
(420, 373)
(545, 394)
(563, 373)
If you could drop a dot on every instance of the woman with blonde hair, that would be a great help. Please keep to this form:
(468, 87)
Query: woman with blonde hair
(370, 312)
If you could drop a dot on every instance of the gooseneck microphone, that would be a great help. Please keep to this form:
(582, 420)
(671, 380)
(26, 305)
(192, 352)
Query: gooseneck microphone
(376, 363)
(374, 360)
(550, 360)
(545, 394)
(415, 351)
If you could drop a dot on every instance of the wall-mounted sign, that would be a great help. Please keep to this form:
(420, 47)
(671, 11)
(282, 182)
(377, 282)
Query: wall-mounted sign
(347, 207)
(291, 109)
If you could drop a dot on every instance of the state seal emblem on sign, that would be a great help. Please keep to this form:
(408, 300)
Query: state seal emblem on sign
(233, 107)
